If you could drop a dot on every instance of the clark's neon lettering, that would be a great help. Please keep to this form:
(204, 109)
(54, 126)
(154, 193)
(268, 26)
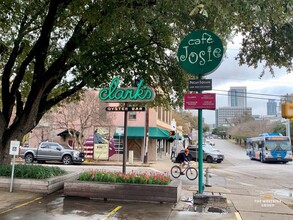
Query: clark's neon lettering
(141, 93)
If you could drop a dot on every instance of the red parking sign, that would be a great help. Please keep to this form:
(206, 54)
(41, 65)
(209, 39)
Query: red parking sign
(200, 101)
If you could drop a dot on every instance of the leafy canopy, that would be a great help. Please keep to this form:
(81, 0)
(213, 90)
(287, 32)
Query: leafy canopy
(52, 49)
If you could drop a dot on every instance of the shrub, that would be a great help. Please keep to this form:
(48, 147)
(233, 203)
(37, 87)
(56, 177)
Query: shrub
(118, 177)
(31, 171)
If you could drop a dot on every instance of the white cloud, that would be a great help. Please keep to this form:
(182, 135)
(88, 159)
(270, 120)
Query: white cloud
(231, 74)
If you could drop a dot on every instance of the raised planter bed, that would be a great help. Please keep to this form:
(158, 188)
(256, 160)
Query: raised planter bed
(124, 191)
(44, 186)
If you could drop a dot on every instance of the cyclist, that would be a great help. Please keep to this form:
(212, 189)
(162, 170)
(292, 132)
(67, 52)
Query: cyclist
(183, 159)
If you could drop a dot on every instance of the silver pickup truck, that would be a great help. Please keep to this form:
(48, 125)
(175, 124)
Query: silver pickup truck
(51, 151)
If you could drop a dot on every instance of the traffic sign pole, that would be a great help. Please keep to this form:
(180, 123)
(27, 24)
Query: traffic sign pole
(200, 53)
(200, 152)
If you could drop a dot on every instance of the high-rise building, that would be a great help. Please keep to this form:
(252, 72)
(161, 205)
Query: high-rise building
(271, 107)
(226, 115)
(237, 97)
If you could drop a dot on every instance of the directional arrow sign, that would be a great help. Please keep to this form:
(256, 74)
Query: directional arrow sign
(200, 101)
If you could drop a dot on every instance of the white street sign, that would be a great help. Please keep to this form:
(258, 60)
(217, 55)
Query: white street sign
(14, 147)
(120, 131)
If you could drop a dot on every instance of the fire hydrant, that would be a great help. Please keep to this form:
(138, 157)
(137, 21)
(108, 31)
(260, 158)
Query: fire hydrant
(208, 176)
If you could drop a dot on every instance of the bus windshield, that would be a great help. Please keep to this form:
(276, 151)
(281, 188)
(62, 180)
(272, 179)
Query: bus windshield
(278, 145)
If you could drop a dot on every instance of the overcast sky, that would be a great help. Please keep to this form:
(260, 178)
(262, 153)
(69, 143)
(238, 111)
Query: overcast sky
(230, 74)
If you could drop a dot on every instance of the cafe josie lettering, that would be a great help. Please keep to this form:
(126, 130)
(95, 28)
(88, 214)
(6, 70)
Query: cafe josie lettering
(141, 93)
(200, 52)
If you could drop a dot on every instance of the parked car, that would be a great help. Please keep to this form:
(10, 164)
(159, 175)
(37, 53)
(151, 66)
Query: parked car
(210, 142)
(51, 151)
(210, 154)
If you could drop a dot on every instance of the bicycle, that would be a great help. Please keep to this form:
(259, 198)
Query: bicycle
(190, 172)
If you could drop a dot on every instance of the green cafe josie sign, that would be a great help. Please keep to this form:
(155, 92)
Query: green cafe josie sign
(141, 93)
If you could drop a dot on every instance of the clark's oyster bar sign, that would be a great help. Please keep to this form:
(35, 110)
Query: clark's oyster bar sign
(141, 93)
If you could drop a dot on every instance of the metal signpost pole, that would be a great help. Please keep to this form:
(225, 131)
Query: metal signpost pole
(125, 141)
(12, 174)
(288, 132)
(119, 147)
(200, 152)
(200, 53)
(14, 149)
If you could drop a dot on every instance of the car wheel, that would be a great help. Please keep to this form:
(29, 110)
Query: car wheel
(67, 160)
(219, 161)
(29, 158)
(209, 159)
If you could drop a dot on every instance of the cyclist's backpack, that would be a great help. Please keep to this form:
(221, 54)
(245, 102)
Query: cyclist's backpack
(177, 160)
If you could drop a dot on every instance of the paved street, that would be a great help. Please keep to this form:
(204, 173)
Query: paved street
(254, 191)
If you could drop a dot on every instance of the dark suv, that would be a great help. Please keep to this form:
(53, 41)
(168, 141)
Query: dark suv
(210, 154)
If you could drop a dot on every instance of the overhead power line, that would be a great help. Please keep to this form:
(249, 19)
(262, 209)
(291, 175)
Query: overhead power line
(252, 93)
(250, 97)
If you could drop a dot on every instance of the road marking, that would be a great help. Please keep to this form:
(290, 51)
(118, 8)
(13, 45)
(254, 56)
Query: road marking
(238, 217)
(112, 212)
(19, 206)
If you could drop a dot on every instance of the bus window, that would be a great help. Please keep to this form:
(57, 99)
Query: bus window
(260, 145)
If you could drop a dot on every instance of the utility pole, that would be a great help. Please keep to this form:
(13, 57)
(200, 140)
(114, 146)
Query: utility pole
(125, 141)
(146, 135)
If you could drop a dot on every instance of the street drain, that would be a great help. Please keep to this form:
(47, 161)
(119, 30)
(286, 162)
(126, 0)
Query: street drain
(201, 209)
(209, 202)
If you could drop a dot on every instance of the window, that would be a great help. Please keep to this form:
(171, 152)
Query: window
(119, 143)
(159, 113)
(132, 115)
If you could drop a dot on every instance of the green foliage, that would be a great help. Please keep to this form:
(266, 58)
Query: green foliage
(281, 128)
(50, 50)
(31, 171)
(118, 177)
(220, 131)
(205, 128)
(187, 120)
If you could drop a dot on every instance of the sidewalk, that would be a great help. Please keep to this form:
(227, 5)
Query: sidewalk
(241, 204)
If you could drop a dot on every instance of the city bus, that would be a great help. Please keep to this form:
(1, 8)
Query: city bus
(269, 148)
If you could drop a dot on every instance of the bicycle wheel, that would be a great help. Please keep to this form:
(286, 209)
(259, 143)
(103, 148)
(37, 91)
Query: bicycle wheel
(175, 171)
(191, 173)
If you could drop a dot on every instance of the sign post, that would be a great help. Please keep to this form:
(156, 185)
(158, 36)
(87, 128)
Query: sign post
(14, 149)
(200, 53)
(114, 93)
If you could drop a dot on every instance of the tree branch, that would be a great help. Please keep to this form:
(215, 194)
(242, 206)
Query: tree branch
(46, 105)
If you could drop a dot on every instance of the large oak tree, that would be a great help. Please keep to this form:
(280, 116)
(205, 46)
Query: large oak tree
(51, 49)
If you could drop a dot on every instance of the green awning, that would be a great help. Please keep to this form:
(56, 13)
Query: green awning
(138, 132)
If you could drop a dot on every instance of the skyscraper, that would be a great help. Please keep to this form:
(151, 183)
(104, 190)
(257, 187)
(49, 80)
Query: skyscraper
(237, 97)
(271, 107)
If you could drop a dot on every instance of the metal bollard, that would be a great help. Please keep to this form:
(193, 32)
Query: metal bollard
(208, 176)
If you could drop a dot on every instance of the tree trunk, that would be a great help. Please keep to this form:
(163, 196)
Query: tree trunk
(5, 158)
(6, 138)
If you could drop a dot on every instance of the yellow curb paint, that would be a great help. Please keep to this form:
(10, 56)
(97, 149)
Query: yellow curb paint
(238, 217)
(18, 206)
(112, 212)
